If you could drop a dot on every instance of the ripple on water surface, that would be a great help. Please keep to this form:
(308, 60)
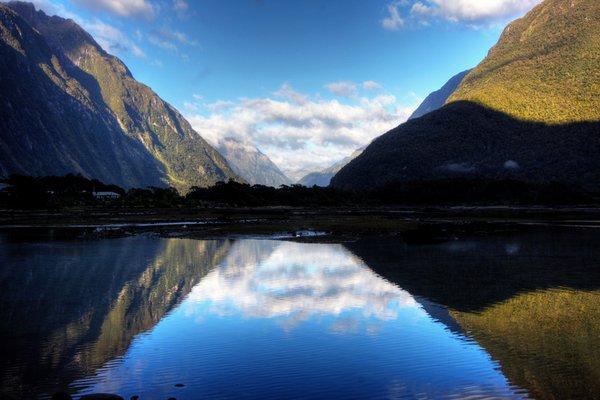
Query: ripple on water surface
(289, 320)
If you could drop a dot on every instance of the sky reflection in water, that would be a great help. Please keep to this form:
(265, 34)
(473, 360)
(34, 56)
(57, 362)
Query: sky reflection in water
(288, 320)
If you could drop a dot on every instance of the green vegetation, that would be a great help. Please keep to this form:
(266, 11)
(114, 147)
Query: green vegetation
(530, 111)
(532, 301)
(88, 114)
(546, 341)
(466, 140)
(545, 67)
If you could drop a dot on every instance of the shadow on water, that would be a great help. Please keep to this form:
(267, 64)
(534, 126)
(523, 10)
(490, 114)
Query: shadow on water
(474, 273)
(531, 299)
(69, 307)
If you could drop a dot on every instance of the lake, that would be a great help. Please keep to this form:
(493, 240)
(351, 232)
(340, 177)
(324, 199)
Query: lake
(504, 315)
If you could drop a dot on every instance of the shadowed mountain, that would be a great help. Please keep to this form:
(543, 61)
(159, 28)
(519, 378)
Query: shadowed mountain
(432, 102)
(251, 164)
(438, 98)
(69, 107)
(464, 139)
(530, 111)
(68, 308)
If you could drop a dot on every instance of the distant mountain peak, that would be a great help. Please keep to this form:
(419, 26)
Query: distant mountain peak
(323, 177)
(438, 98)
(251, 164)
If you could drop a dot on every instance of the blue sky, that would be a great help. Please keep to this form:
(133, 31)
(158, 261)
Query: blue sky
(305, 81)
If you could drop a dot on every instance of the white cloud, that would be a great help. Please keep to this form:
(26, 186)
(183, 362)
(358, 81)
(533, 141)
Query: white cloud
(421, 9)
(298, 132)
(190, 106)
(343, 89)
(137, 51)
(110, 38)
(288, 93)
(141, 9)
(473, 13)
(175, 36)
(162, 43)
(49, 7)
(170, 39)
(107, 36)
(393, 22)
(371, 85)
(482, 11)
(180, 5)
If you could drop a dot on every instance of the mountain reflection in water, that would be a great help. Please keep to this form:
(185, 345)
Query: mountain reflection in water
(287, 320)
(70, 307)
(273, 319)
(531, 299)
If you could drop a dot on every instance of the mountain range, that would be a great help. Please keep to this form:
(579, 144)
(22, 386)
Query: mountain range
(251, 164)
(431, 103)
(529, 111)
(323, 178)
(67, 106)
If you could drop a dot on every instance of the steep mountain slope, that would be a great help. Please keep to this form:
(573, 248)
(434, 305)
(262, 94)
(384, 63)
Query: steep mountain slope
(498, 128)
(68, 106)
(545, 67)
(251, 164)
(323, 177)
(438, 98)
(432, 102)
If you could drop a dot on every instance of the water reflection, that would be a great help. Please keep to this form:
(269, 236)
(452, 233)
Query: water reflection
(475, 273)
(69, 307)
(266, 279)
(547, 341)
(532, 300)
(256, 318)
(288, 320)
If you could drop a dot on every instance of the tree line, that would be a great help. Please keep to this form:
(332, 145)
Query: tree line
(53, 192)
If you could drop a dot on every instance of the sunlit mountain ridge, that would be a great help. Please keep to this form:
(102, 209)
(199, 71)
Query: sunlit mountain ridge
(530, 111)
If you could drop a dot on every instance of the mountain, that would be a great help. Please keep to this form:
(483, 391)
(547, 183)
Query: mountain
(251, 164)
(69, 107)
(544, 68)
(432, 102)
(529, 111)
(438, 98)
(323, 177)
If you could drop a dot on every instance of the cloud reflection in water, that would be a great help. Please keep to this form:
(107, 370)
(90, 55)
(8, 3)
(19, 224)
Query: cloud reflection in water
(266, 279)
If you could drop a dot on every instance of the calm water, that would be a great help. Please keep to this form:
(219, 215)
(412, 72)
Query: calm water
(505, 316)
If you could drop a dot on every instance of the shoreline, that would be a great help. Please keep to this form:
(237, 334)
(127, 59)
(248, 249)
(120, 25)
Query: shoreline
(303, 224)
